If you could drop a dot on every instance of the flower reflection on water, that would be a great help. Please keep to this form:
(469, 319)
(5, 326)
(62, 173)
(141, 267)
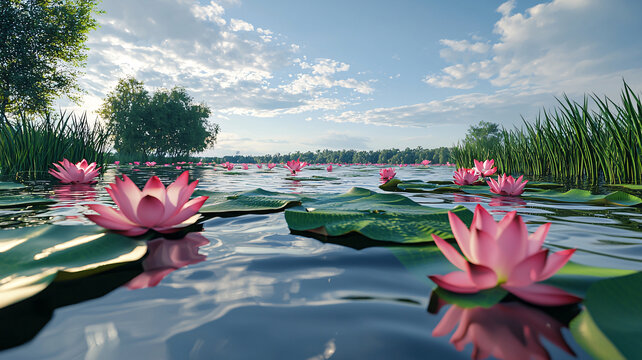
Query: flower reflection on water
(507, 330)
(166, 256)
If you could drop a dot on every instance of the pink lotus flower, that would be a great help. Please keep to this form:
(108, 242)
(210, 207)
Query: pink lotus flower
(465, 176)
(136, 162)
(271, 166)
(79, 173)
(387, 174)
(166, 256)
(260, 166)
(157, 208)
(150, 163)
(329, 168)
(245, 166)
(117, 162)
(199, 163)
(425, 162)
(503, 331)
(178, 168)
(295, 166)
(486, 168)
(502, 254)
(507, 185)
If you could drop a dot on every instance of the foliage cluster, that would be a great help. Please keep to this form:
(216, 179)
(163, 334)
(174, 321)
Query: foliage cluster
(165, 123)
(28, 146)
(596, 140)
(42, 45)
(386, 156)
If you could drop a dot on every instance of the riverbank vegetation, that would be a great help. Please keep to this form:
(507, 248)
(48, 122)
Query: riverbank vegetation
(595, 140)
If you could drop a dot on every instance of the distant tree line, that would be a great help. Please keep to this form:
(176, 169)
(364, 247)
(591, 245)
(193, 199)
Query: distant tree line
(387, 156)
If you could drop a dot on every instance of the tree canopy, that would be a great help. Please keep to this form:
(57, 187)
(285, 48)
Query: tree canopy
(486, 133)
(42, 47)
(166, 123)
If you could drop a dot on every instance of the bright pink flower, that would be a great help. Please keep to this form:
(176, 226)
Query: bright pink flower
(329, 168)
(271, 166)
(199, 163)
(260, 166)
(486, 168)
(387, 174)
(425, 162)
(162, 209)
(136, 162)
(150, 163)
(245, 166)
(166, 256)
(502, 254)
(465, 176)
(507, 185)
(116, 162)
(79, 173)
(178, 167)
(295, 166)
(504, 331)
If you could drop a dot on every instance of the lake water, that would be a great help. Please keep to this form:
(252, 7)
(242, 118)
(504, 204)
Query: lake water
(253, 290)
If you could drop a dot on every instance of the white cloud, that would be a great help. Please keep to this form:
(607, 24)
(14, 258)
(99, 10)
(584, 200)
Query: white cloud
(240, 25)
(465, 45)
(229, 64)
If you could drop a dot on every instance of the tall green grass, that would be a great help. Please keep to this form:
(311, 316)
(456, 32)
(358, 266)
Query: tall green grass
(28, 146)
(594, 141)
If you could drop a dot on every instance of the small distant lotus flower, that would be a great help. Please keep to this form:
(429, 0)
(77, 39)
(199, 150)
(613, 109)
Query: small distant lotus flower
(329, 168)
(165, 210)
(178, 168)
(425, 162)
(502, 254)
(465, 176)
(507, 185)
(79, 173)
(271, 166)
(504, 331)
(229, 166)
(150, 163)
(245, 166)
(166, 256)
(117, 162)
(260, 166)
(136, 162)
(295, 166)
(199, 163)
(485, 168)
(387, 174)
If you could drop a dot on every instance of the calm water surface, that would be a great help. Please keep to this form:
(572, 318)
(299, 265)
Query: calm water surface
(252, 290)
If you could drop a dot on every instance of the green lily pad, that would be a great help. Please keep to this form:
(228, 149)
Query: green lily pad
(572, 196)
(32, 258)
(256, 201)
(11, 186)
(23, 200)
(613, 316)
(486, 298)
(382, 217)
(313, 178)
(542, 185)
(628, 186)
(234, 173)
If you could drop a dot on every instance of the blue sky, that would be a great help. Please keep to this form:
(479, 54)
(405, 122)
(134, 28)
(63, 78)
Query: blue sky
(287, 75)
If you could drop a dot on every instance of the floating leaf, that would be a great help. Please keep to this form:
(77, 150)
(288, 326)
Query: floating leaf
(234, 173)
(583, 196)
(611, 326)
(32, 258)
(11, 186)
(256, 201)
(485, 298)
(381, 217)
(542, 185)
(23, 200)
(628, 186)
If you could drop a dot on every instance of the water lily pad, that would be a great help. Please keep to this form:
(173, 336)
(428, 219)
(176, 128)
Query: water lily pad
(32, 258)
(613, 316)
(256, 201)
(234, 173)
(583, 196)
(382, 217)
(23, 200)
(542, 185)
(628, 186)
(313, 178)
(11, 186)
(486, 298)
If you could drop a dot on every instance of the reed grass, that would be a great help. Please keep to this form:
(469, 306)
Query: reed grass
(28, 146)
(594, 141)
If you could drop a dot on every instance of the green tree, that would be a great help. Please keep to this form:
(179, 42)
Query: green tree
(167, 123)
(42, 47)
(486, 133)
